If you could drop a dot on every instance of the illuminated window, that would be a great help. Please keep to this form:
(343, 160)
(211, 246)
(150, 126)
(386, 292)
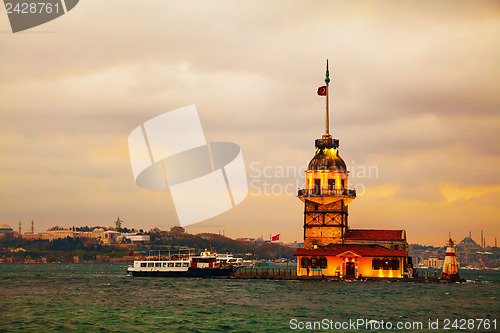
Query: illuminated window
(323, 262)
(317, 186)
(185, 264)
(151, 264)
(303, 262)
(331, 184)
(170, 264)
(314, 262)
(177, 264)
(143, 264)
(386, 264)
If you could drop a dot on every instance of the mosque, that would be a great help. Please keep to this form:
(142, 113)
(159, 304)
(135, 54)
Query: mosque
(332, 249)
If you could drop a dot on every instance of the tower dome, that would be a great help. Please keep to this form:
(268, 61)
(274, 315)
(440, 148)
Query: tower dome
(327, 159)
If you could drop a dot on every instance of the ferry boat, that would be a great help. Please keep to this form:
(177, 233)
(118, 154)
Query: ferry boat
(177, 264)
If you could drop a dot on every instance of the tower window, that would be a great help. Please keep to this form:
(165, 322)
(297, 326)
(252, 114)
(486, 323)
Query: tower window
(317, 186)
(331, 184)
(342, 184)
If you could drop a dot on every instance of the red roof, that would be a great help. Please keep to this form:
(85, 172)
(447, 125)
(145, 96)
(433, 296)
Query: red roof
(358, 249)
(374, 234)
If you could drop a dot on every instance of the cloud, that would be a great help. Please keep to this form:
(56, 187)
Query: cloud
(414, 93)
(454, 193)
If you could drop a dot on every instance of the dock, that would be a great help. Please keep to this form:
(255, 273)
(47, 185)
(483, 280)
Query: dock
(278, 273)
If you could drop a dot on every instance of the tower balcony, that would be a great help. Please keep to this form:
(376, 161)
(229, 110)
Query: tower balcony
(326, 142)
(325, 196)
(327, 193)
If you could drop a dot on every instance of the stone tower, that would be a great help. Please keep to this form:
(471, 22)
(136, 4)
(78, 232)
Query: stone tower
(326, 195)
(118, 224)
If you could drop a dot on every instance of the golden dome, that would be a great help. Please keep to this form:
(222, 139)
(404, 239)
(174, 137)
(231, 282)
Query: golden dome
(327, 159)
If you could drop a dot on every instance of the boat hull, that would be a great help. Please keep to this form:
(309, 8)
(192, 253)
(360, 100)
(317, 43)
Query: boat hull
(191, 272)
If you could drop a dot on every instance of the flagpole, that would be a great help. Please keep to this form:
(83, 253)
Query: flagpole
(327, 81)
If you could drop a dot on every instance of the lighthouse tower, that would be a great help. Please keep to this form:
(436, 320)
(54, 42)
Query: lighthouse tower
(325, 195)
(450, 267)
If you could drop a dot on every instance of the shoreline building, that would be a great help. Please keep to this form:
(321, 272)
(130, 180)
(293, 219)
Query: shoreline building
(331, 248)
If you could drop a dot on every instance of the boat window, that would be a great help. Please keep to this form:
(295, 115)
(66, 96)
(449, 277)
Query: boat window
(143, 264)
(170, 264)
(177, 264)
(186, 264)
(158, 264)
(151, 264)
(386, 264)
(164, 264)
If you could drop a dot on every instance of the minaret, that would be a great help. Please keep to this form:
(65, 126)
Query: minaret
(20, 233)
(450, 267)
(326, 195)
(32, 227)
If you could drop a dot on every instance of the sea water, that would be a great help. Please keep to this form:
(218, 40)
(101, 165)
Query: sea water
(89, 298)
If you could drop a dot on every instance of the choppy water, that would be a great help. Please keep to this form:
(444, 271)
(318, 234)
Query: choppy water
(105, 298)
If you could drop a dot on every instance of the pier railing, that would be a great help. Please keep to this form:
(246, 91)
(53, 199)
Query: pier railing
(266, 272)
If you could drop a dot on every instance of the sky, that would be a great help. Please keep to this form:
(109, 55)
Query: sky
(414, 98)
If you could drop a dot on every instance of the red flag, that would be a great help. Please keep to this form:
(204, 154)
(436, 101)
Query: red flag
(275, 238)
(322, 91)
(131, 254)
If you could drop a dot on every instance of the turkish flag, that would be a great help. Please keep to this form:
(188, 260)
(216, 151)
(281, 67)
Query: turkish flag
(275, 238)
(322, 91)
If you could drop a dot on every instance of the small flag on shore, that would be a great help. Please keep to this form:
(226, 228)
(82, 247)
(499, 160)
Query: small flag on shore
(322, 91)
(275, 238)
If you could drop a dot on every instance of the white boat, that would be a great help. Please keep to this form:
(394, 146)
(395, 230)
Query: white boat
(177, 264)
(224, 259)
